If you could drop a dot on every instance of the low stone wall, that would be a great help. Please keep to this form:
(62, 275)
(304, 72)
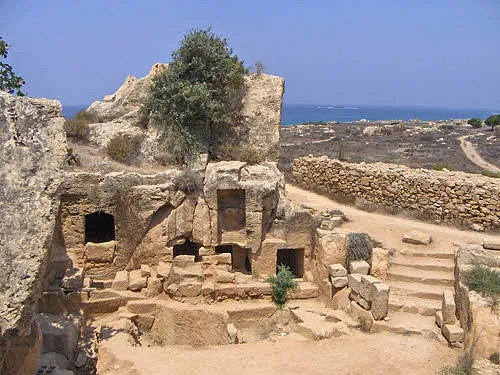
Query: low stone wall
(453, 197)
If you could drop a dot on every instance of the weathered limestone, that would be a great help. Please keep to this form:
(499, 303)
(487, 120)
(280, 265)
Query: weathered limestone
(339, 282)
(120, 281)
(33, 149)
(262, 112)
(136, 280)
(380, 263)
(453, 333)
(491, 243)
(451, 197)
(337, 270)
(370, 293)
(359, 267)
(448, 308)
(417, 237)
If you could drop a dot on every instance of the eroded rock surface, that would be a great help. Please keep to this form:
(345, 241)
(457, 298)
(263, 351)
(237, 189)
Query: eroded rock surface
(32, 151)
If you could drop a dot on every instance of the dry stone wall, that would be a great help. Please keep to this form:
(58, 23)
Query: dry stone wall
(452, 197)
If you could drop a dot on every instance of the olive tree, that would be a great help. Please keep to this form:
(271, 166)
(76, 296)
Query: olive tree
(9, 81)
(196, 98)
(493, 120)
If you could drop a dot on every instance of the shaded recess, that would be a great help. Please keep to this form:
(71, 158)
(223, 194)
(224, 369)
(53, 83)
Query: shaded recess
(231, 210)
(99, 227)
(240, 257)
(293, 259)
(188, 248)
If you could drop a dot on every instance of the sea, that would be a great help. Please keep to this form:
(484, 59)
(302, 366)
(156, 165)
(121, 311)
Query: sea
(303, 113)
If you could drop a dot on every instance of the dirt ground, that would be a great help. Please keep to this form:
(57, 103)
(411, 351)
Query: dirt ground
(420, 145)
(359, 354)
(387, 229)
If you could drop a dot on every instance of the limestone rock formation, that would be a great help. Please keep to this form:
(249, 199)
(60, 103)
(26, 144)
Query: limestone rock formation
(127, 99)
(32, 152)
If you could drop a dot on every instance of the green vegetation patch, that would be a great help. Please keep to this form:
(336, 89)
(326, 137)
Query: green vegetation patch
(485, 281)
(282, 284)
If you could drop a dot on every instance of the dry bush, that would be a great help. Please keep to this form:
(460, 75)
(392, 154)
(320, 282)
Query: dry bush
(188, 181)
(241, 152)
(359, 247)
(78, 127)
(124, 148)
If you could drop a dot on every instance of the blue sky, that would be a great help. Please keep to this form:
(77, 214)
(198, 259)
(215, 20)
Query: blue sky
(426, 53)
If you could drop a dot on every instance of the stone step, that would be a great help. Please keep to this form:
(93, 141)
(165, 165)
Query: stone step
(422, 306)
(305, 290)
(419, 290)
(402, 273)
(429, 264)
(407, 324)
(422, 253)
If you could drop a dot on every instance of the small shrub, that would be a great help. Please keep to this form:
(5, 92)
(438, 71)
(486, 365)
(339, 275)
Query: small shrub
(475, 122)
(124, 148)
(241, 152)
(464, 365)
(359, 247)
(485, 281)
(490, 174)
(495, 358)
(71, 157)
(338, 213)
(188, 181)
(448, 127)
(259, 67)
(441, 166)
(493, 120)
(281, 284)
(78, 127)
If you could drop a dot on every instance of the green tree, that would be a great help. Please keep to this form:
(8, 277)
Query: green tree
(493, 120)
(475, 122)
(9, 81)
(196, 99)
(281, 284)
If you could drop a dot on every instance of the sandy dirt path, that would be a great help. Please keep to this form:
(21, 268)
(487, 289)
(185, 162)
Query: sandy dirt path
(471, 153)
(359, 354)
(387, 229)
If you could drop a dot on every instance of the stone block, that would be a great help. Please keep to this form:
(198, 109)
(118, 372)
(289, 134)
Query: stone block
(360, 267)
(73, 279)
(439, 318)
(380, 263)
(354, 282)
(332, 223)
(417, 237)
(145, 321)
(222, 259)
(225, 277)
(103, 252)
(491, 243)
(207, 288)
(184, 260)
(341, 299)
(225, 290)
(163, 270)
(171, 289)
(339, 282)
(364, 317)
(453, 333)
(337, 270)
(155, 287)
(206, 251)
(60, 332)
(308, 276)
(141, 307)
(360, 300)
(120, 281)
(367, 289)
(448, 307)
(190, 288)
(136, 281)
(232, 333)
(380, 301)
(145, 270)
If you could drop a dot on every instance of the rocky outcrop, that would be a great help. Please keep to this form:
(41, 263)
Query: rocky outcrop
(262, 112)
(259, 129)
(127, 99)
(452, 197)
(32, 152)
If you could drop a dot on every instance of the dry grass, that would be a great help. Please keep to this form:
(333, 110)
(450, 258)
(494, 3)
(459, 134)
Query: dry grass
(124, 148)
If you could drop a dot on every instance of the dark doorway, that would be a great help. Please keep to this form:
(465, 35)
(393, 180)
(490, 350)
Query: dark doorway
(188, 248)
(293, 259)
(99, 227)
(240, 257)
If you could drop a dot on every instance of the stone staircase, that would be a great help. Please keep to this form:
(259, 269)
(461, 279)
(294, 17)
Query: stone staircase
(417, 277)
